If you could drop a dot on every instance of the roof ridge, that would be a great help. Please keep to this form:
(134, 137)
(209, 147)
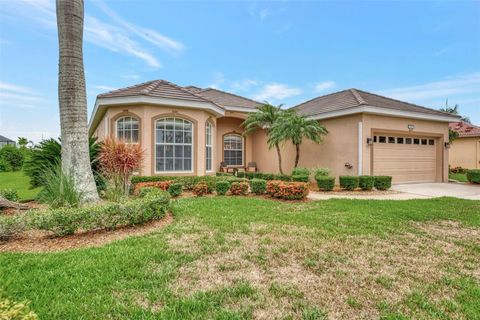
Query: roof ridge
(318, 97)
(233, 94)
(357, 96)
(129, 87)
(192, 93)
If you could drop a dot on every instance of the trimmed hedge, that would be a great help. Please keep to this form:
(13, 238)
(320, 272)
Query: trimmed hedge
(162, 185)
(239, 188)
(382, 182)
(258, 186)
(473, 176)
(200, 189)
(349, 182)
(287, 190)
(222, 187)
(175, 189)
(9, 194)
(144, 191)
(325, 183)
(300, 171)
(366, 182)
(188, 181)
(300, 178)
(11, 226)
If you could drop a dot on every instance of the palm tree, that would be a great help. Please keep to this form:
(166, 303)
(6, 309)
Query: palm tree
(72, 98)
(454, 110)
(295, 127)
(265, 118)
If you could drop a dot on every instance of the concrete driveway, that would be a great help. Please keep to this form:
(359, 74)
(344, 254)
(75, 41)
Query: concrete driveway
(434, 190)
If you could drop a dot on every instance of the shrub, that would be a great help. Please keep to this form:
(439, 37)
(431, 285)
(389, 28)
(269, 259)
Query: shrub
(188, 181)
(59, 189)
(175, 189)
(300, 178)
(366, 182)
(241, 174)
(61, 221)
(11, 226)
(12, 310)
(382, 182)
(9, 194)
(222, 174)
(300, 171)
(118, 160)
(200, 189)
(162, 185)
(5, 166)
(258, 186)
(321, 172)
(473, 176)
(458, 170)
(222, 187)
(239, 188)
(325, 183)
(287, 190)
(273, 187)
(113, 193)
(144, 191)
(282, 177)
(349, 182)
(13, 156)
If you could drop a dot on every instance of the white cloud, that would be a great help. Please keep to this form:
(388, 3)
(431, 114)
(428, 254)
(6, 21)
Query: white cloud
(460, 85)
(243, 85)
(219, 79)
(321, 86)
(276, 91)
(105, 88)
(4, 86)
(15, 96)
(130, 76)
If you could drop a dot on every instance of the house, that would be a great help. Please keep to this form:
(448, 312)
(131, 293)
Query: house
(191, 131)
(5, 141)
(465, 150)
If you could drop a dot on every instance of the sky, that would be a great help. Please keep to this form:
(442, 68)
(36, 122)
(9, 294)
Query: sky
(283, 52)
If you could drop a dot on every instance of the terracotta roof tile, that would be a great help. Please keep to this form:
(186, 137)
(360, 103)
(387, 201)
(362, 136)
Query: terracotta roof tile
(465, 129)
(228, 99)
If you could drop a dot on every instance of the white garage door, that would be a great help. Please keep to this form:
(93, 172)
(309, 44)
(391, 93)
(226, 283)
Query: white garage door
(406, 159)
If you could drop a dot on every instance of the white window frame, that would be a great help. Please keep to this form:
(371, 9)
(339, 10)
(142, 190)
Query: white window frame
(173, 144)
(243, 150)
(131, 130)
(209, 130)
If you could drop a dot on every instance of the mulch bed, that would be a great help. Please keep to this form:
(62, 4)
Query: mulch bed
(39, 241)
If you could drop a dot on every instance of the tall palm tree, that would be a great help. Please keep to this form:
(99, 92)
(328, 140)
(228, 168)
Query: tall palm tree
(295, 127)
(72, 98)
(265, 118)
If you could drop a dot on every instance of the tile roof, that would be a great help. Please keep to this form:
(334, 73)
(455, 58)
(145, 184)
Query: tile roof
(228, 99)
(355, 98)
(465, 129)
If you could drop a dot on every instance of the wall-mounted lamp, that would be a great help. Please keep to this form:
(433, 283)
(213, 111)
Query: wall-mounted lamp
(348, 165)
(447, 145)
(411, 127)
(369, 141)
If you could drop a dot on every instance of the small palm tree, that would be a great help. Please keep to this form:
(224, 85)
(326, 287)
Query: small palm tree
(265, 118)
(295, 127)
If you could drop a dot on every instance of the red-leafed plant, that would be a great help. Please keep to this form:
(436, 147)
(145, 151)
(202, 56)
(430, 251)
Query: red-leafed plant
(287, 190)
(118, 161)
(239, 188)
(200, 189)
(162, 185)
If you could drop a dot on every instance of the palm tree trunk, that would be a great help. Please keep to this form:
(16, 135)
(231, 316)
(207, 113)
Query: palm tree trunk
(297, 157)
(72, 98)
(279, 158)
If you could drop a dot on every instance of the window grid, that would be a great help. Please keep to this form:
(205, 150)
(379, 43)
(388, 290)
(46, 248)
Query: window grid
(233, 150)
(128, 129)
(173, 145)
(404, 140)
(208, 146)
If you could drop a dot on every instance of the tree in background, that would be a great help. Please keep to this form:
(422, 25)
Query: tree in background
(294, 127)
(454, 110)
(72, 98)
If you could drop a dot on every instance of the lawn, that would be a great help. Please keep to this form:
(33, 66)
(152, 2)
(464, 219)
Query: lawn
(19, 181)
(243, 258)
(462, 177)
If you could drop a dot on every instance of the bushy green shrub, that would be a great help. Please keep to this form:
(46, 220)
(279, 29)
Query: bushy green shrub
(325, 183)
(300, 178)
(382, 182)
(222, 187)
(321, 172)
(239, 188)
(144, 191)
(241, 174)
(188, 181)
(200, 189)
(175, 189)
(11, 226)
(473, 176)
(223, 174)
(300, 171)
(13, 310)
(61, 221)
(349, 182)
(5, 166)
(59, 190)
(13, 156)
(287, 190)
(258, 186)
(366, 182)
(9, 194)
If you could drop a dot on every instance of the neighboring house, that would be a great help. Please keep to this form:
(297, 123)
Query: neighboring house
(191, 131)
(5, 141)
(465, 150)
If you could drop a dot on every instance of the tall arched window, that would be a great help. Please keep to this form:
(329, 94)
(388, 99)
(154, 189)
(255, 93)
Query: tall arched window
(233, 149)
(173, 145)
(128, 129)
(208, 145)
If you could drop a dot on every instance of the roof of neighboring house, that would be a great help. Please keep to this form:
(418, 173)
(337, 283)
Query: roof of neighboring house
(228, 99)
(352, 98)
(465, 129)
(5, 139)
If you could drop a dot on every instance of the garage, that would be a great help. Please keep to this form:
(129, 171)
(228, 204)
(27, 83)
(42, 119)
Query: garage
(407, 159)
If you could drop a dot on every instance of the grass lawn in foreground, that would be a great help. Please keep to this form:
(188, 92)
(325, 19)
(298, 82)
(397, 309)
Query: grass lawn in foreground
(19, 181)
(461, 177)
(245, 257)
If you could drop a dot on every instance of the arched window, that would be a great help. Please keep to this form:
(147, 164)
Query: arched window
(208, 145)
(233, 149)
(173, 145)
(128, 129)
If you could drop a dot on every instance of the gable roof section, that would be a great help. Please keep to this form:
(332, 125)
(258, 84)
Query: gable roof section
(227, 99)
(357, 101)
(465, 129)
(5, 139)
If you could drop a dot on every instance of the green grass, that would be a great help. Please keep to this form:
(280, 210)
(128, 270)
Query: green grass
(462, 177)
(243, 258)
(19, 181)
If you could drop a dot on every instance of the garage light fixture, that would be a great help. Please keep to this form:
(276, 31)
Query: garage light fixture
(411, 127)
(369, 141)
(447, 145)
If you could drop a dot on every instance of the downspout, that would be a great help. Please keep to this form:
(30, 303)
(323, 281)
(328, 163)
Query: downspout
(360, 148)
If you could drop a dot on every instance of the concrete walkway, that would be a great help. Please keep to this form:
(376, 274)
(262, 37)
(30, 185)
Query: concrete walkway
(412, 191)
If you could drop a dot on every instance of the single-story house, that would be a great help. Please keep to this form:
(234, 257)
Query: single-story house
(4, 141)
(465, 150)
(191, 131)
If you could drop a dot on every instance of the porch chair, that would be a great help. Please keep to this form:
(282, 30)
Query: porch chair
(252, 167)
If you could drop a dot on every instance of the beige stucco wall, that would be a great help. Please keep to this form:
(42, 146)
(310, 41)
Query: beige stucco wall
(465, 153)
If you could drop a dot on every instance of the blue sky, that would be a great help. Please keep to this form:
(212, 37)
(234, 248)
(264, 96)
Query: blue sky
(284, 52)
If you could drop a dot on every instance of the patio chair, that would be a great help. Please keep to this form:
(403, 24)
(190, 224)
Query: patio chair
(252, 167)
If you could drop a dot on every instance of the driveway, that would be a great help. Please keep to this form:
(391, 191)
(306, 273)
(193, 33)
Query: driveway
(434, 190)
